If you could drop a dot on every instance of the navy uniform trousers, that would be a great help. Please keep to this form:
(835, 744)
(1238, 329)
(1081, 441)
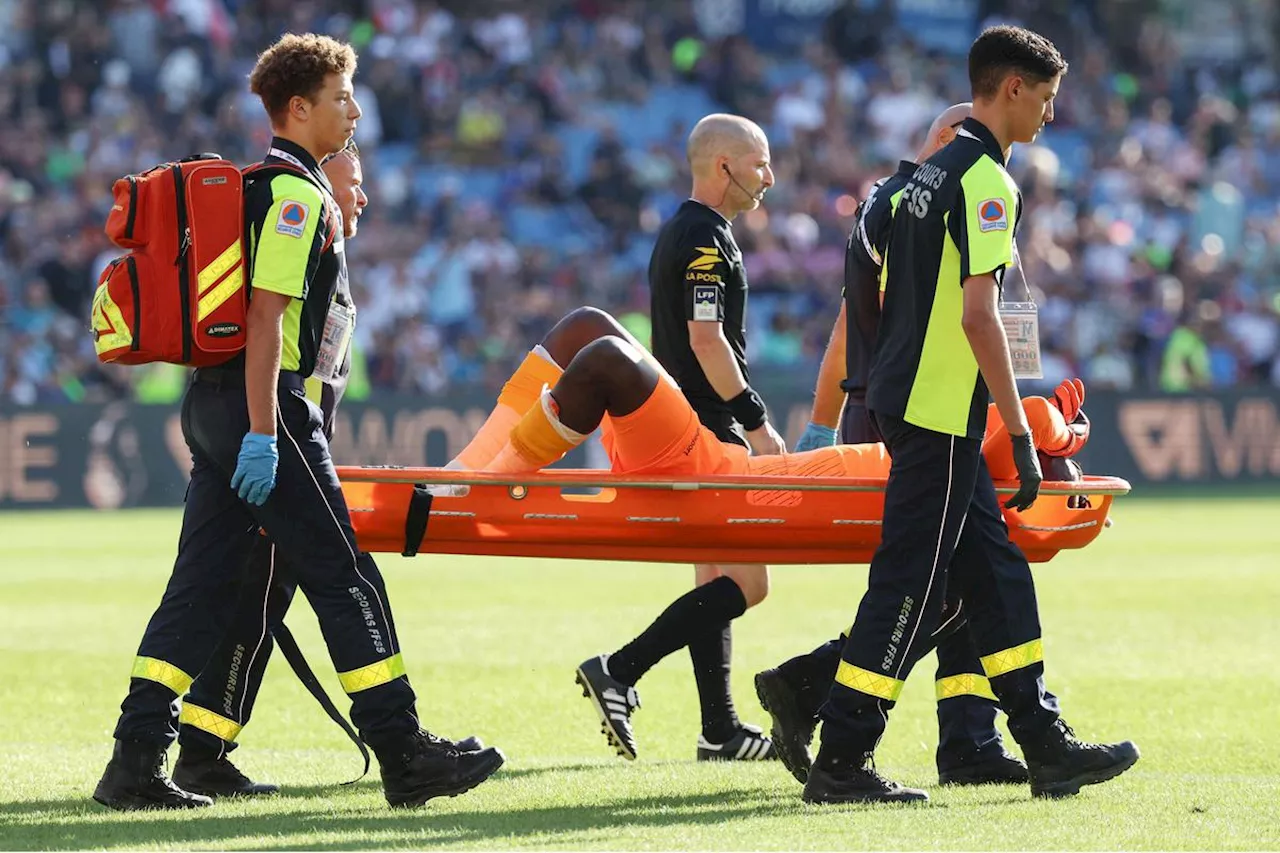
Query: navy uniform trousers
(943, 540)
(307, 519)
(966, 707)
(228, 686)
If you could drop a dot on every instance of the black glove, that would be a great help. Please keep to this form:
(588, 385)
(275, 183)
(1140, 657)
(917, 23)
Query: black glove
(1029, 476)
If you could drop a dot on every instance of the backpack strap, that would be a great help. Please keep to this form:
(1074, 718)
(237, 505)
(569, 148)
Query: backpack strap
(289, 648)
(260, 171)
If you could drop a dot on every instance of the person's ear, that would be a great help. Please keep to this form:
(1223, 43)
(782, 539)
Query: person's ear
(1013, 86)
(945, 136)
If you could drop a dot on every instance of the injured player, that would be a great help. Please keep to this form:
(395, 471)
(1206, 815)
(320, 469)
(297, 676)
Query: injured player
(589, 372)
(608, 380)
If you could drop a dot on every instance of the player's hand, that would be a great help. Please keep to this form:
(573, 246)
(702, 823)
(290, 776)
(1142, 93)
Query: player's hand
(765, 441)
(1069, 398)
(814, 437)
(256, 465)
(1029, 475)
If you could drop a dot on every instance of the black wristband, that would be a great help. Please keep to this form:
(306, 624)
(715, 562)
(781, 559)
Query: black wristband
(748, 409)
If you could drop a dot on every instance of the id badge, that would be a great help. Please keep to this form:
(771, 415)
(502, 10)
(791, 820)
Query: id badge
(1022, 329)
(339, 324)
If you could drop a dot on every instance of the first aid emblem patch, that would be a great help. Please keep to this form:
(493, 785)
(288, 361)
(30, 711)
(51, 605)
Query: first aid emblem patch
(992, 215)
(292, 219)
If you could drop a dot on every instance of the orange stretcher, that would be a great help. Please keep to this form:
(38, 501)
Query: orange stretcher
(712, 519)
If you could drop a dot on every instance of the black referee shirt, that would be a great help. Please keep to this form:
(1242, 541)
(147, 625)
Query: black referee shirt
(696, 273)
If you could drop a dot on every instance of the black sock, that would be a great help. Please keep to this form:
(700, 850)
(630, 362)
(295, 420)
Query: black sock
(710, 652)
(811, 674)
(689, 616)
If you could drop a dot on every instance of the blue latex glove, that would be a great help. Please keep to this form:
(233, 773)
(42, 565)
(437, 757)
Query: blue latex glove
(814, 437)
(255, 474)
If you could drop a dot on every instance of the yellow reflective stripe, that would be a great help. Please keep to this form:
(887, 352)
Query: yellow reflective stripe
(871, 683)
(220, 294)
(110, 330)
(218, 268)
(161, 672)
(206, 720)
(372, 675)
(1015, 658)
(967, 684)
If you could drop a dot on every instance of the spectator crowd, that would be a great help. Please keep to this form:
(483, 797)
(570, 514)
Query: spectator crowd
(520, 156)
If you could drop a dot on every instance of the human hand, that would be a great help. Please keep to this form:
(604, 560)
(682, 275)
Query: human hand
(255, 474)
(765, 441)
(1069, 398)
(814, 437)
(1029, 475)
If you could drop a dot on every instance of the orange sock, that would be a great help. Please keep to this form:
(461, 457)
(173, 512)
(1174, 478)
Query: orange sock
(518, 396)
(537, 441)
(1048, 427)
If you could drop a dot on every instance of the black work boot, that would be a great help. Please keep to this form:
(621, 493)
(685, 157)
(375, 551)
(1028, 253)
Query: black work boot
(421, 766)
(996, 767)
(854, 781)
(1060, 763)
(135, 780)
(792, 724)
(215, 776)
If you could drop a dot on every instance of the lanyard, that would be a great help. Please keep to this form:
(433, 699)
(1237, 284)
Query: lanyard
(1022, 329)
(286, 156)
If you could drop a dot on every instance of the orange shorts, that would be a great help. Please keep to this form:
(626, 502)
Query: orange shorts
(664, 436)
(844, 460)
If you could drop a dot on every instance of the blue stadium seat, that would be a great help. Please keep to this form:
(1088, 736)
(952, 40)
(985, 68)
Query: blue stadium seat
(578, 144)
(480, 184)
(1073, 149)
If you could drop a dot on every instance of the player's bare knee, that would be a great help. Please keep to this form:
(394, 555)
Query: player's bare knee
(610, 359)
(577, 330)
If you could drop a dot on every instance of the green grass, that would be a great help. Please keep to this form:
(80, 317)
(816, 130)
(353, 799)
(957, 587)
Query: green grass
(1164, 631)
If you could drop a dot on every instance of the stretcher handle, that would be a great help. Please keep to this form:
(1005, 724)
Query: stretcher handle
(597, 478)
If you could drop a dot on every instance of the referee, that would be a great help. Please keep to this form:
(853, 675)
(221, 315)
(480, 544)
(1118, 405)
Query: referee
(941, 346)
(698, 304)
(260, 460)
(970, 748)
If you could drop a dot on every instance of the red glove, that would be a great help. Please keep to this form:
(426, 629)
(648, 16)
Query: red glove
(1069, 399)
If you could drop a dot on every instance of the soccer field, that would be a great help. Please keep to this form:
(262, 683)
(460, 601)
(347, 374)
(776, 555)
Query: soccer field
(1164, 631)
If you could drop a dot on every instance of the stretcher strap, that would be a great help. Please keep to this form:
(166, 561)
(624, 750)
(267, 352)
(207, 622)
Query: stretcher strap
(289, 648)
(415, 520)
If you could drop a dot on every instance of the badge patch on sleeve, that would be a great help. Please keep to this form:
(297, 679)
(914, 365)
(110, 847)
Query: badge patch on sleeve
(292, 219)
(706, 302)
(992, 215)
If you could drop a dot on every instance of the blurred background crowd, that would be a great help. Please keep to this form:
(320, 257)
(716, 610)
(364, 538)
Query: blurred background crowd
(520, 155)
